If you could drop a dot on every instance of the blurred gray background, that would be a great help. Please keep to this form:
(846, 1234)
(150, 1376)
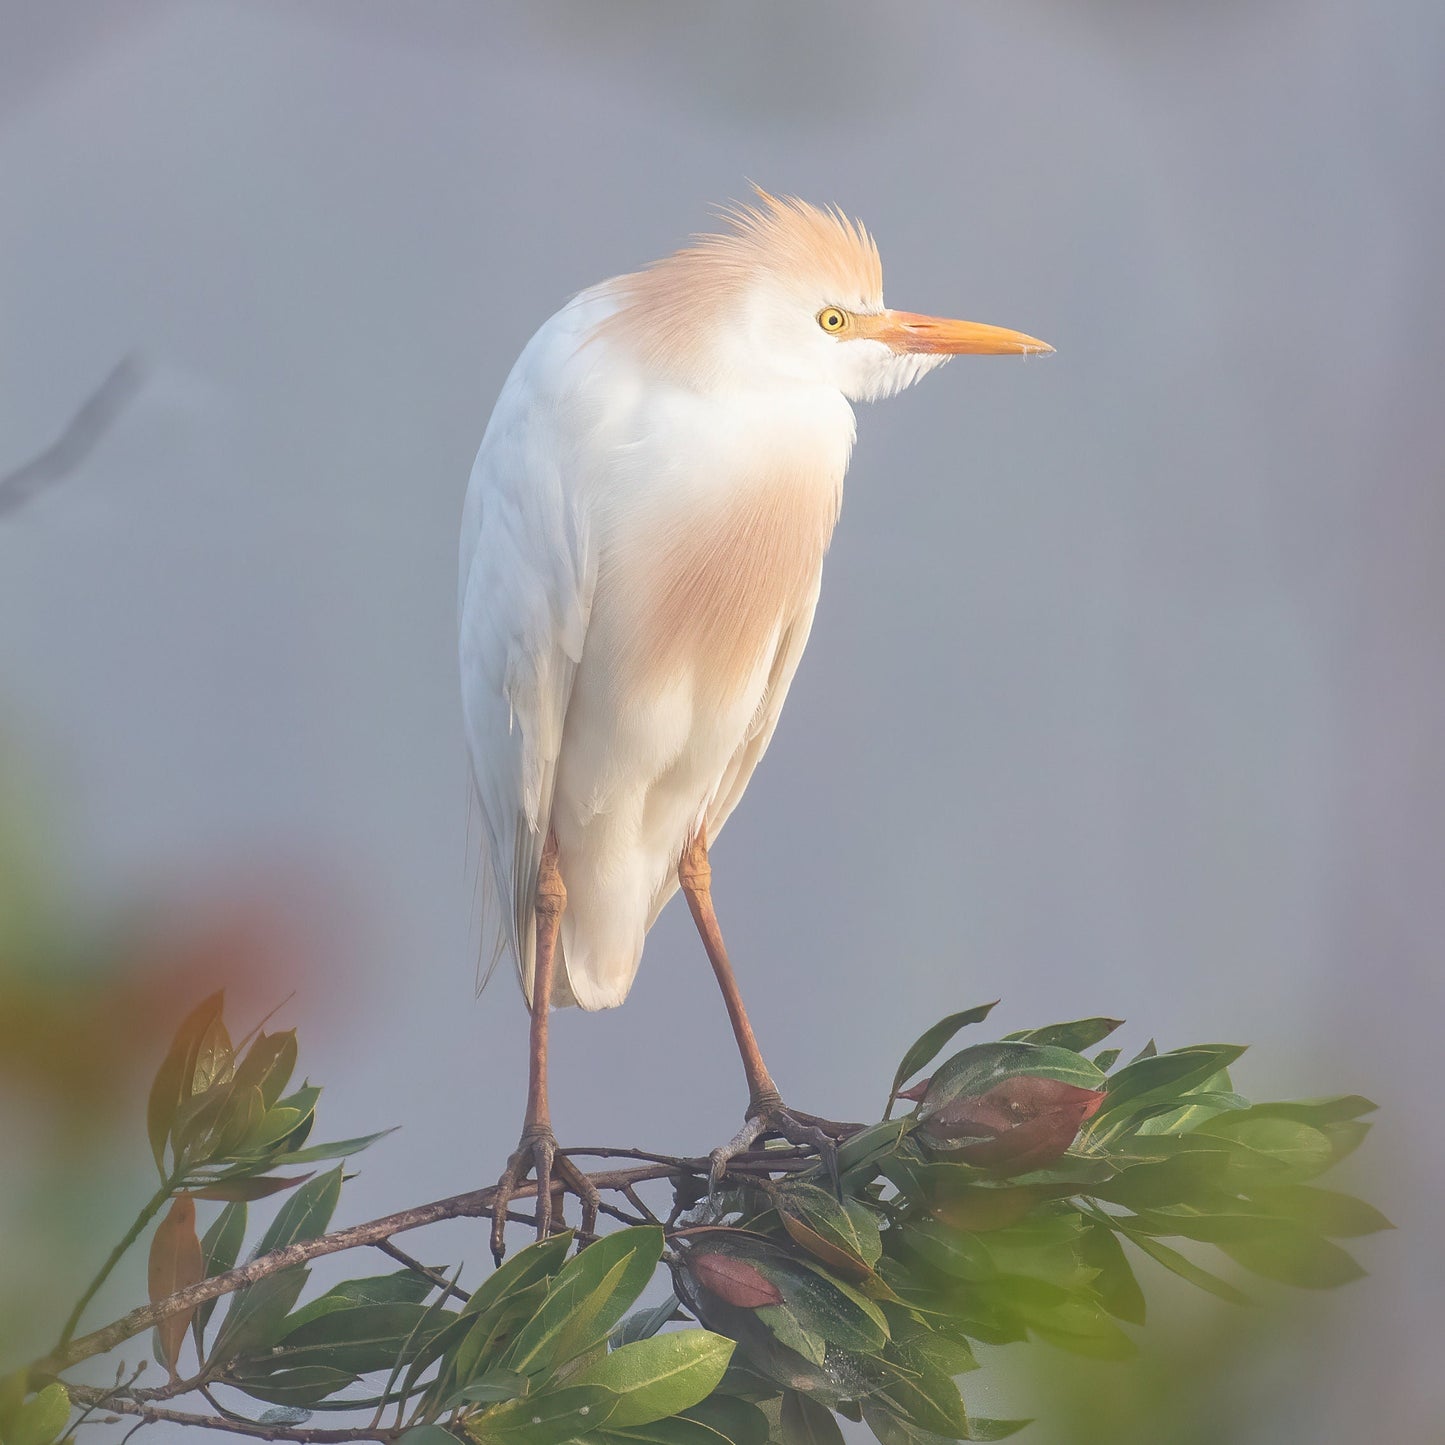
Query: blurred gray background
(1126, 693)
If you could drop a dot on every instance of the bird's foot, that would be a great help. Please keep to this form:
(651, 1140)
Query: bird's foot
(769, 1118)
(537, 1152)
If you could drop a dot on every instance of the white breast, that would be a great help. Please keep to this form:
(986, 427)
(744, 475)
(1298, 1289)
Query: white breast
(712, 525)
(699, 527)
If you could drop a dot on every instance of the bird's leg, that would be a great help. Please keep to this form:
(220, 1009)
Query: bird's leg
(538, 1147)
(766, 1112)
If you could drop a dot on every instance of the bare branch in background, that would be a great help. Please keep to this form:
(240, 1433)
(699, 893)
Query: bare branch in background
(95, 417)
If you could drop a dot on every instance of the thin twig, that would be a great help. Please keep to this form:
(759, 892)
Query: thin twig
(77, 441)
(627, 1218)
(472, 1205)
(153, 1414)
(148, 1212)
(639, 1204)
(426, 1271)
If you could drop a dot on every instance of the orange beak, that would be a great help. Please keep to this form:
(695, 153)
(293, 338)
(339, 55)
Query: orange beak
(934, 336)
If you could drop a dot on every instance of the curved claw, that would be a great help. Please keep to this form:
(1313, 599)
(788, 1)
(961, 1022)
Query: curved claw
(578, 1183)
(537, 1153)
(774, 1119)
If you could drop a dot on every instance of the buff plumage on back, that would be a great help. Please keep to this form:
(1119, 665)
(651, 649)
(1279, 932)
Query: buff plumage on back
(665, 309)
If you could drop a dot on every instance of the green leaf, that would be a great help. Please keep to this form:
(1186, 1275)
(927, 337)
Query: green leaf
(428, 1435)
(570, 1413)
(1185, 1268)
(359, 1338)
(927, 1046)
(1198, 1106)
(1276, 1145)
(1104, 1060)
(258, 1311)
(1117, 1288)
(1345, 1137)
(536, 1262)
(661, 1376)
(1296, 1258)
(735, 1421)
(257, 1314)
(220, 1247)
(1079, 1035)
(493, 1387)
(860, 1153)
(286, 1122)
(268, 1065)
(587, 1299)
(643, 1324)
(874, 1331)
(814, 1301)
(914, 1342)
(1188, 1176)
(792, 1333)
(930, 1400)
(891, 1429)
(805, 1422)
(275, 1124)
(1155, 1077)
(1223, 1222)
(306, 1387)
(341, 1149)
(402, 1286)
(1336, 1216)
(42, 1418)
(196, 1128)
(1083, 1328)
(675, 1430)
(982, 1429)
(243, 1111)
(215, 1060)
(844, 1236)
(305, 1214)
(954, 1252)
(473, 1343)
(1319, 1112)
(173, 1079)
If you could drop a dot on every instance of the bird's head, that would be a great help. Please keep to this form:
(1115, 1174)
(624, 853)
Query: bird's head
(789, 293)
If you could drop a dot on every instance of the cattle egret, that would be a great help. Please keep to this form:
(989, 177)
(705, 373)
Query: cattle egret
(641, 550)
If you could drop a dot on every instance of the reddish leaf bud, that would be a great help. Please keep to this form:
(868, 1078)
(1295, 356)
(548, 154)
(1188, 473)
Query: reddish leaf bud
(734, 1281)
(1021, 1123)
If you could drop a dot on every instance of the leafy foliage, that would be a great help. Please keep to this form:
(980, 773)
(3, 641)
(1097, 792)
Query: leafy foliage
(1014, 1203)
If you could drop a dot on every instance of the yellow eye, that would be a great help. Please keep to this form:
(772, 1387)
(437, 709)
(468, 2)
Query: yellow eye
(831, 319)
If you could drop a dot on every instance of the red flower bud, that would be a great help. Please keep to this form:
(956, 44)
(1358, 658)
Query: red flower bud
(734, 1281)
(1021, 1123)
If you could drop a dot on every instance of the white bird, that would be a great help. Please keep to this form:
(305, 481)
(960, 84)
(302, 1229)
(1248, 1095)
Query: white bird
(642, 545)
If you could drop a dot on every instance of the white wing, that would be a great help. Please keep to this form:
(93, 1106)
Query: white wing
(527, 578)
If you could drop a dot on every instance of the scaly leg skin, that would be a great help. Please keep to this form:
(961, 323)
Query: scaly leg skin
(537, 1149)
(766, 1114)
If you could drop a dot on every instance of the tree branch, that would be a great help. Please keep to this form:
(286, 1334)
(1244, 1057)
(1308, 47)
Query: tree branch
(77, 441)
(104, 1399)
(475, 1204)
(417, 1267)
